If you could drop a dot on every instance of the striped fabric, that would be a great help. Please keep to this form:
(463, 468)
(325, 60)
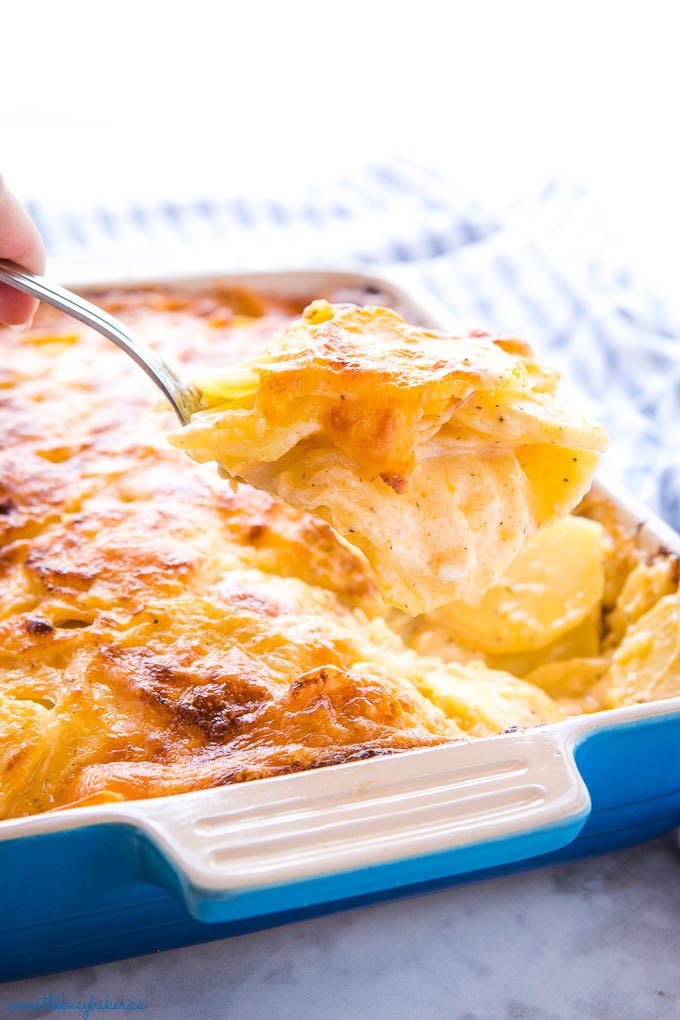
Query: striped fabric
(540, 270)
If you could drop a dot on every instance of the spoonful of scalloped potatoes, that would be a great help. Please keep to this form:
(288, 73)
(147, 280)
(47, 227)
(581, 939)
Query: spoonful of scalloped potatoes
(436, 455)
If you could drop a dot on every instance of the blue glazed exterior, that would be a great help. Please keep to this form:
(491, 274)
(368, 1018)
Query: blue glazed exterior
(98, 893)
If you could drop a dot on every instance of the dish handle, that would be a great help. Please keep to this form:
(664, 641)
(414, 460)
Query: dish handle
(358, 830)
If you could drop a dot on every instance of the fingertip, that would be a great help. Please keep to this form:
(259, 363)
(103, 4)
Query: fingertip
(20, 239)
(16, 309)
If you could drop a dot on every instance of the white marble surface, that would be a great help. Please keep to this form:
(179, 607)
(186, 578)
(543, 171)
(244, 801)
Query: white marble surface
(593, 939)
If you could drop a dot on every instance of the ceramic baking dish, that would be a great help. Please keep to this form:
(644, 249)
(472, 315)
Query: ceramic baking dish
(87, 885)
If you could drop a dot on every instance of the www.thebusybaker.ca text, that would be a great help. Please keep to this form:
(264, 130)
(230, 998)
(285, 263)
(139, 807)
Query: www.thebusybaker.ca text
(85, 1007)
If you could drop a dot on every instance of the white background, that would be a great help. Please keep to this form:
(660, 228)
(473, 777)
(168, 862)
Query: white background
(146, 99)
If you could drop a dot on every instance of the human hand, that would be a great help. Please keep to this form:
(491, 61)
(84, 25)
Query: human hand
(21, 242)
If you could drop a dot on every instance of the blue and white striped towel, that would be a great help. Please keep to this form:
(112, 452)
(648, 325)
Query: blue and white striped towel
(541, 270)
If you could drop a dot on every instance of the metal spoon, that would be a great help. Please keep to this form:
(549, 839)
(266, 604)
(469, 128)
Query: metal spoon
(185, 399)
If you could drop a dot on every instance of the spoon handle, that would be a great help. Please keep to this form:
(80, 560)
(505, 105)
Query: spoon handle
(184, 399)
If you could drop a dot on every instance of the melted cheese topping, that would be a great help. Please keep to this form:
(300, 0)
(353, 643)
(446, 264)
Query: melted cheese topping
(435, 455)
(160, 633)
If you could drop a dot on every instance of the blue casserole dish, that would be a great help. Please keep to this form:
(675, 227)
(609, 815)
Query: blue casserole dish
(89, 885)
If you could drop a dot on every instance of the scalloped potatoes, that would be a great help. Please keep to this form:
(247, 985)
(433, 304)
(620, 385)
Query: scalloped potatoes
(435, 455)
(160, 633)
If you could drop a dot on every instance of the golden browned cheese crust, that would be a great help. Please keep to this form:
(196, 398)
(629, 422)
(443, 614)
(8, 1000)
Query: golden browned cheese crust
(159, 632)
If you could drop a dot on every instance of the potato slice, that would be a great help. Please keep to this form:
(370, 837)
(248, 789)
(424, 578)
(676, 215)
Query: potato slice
(550, 588)
(22, 723)
(642, 589)
(577, 685)
(484, 702)
(646, 666)
(581, 642)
